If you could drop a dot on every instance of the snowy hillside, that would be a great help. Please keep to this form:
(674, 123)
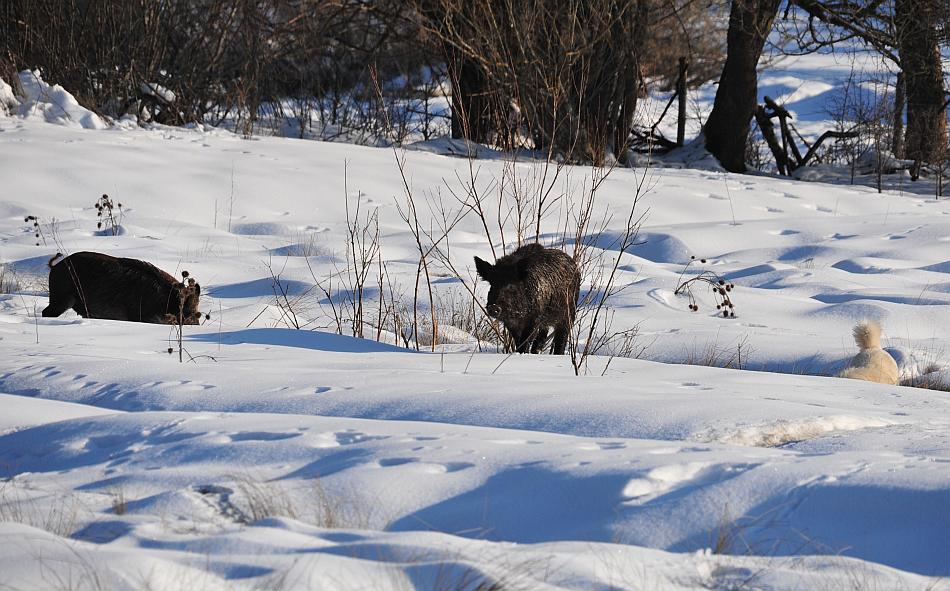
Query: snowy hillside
(723, 457)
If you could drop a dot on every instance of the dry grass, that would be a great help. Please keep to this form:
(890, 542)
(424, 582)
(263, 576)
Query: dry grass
(18, 505)
(930, 378)
(307, 501)
(9, 280)
(725, 356)
(260, 499)
(120, 502)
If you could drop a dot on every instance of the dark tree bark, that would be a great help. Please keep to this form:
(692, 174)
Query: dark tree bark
(681, 98)
(900, 101)
(727, 128)
(471, 101)
(917, 41)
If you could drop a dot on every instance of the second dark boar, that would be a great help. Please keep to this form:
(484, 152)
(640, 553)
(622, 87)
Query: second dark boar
(532, 290)
(97, 285)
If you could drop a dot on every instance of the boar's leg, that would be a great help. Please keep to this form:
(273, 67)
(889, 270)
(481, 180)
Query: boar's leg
(561, 332)
(56, 307)
(540, 339)
(523, 338)
(62, 296)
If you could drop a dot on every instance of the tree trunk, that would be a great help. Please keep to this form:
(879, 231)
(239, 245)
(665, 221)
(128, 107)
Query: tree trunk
(471, 104)
(681, 97)
(727, 128)
(900, 101)
(631, 83)
(926, 136)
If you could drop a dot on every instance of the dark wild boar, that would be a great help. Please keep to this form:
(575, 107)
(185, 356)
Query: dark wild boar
(533, 289)
(97, 285)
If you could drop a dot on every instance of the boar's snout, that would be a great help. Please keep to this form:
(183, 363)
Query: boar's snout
(494, 310)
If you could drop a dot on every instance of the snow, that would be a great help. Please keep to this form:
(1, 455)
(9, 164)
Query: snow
(724, 457)
(54, 104)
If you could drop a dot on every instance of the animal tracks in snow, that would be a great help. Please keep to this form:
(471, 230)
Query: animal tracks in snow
(670, 477)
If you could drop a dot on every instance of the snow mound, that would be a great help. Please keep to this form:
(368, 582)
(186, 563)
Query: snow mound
(8, 100)
(54, 104)
(781, 432)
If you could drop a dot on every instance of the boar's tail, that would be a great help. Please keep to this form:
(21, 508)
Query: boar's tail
(56, 258)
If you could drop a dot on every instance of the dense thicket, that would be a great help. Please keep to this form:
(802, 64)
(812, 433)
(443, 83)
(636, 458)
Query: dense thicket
(216, 57)
(563, 76)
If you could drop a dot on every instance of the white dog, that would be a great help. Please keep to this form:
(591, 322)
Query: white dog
(872, 363)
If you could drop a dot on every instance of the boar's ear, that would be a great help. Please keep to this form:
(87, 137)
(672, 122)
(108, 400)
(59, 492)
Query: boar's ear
(485, 269)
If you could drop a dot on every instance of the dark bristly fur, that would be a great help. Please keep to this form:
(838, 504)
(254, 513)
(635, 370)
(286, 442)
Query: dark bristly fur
(533, 289)
(97, 285)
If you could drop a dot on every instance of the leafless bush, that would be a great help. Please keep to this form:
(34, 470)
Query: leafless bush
(930, 378)
(294, 309)
(182, 301)
(106, 211)
(9, 281)
(715, 355)
(211, 61)
(684, 28)
(599, 253)
(866, 104)
(559, 62)
(721, 289)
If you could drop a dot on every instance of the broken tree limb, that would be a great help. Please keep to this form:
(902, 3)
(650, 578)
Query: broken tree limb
(828, 134)
(768, 133)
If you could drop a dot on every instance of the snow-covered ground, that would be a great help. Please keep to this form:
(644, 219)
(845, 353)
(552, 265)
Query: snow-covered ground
(293, 459)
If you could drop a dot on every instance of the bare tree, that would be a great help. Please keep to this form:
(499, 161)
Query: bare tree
(727, 129)
(917, 40)
(571, 69)
(906, 32)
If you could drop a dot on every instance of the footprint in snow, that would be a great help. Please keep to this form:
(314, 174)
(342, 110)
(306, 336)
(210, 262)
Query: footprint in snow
(262, 436)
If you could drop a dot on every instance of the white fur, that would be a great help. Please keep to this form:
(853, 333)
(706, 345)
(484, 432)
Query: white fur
(872, 363)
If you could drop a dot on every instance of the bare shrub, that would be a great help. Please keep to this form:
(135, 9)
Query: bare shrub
(120, 502)
(929, 378)
(721, 289)
(715, 355)
(9, 280)
(19, 504)
(572, 68)
(109, 213)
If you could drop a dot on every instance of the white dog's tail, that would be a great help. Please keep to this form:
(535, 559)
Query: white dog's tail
(867, 334)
